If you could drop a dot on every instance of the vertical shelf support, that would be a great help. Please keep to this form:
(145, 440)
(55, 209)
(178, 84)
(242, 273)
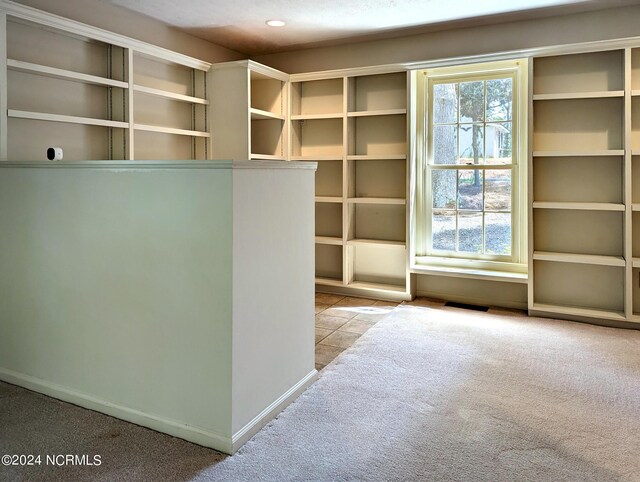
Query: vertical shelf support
(3, 86)
(627, 189)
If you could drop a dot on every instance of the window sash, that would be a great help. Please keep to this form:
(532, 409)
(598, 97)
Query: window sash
(423, 250)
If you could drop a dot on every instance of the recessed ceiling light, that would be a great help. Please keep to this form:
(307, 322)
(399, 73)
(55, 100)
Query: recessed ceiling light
(275, 23)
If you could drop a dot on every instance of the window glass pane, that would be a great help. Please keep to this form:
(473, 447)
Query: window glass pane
(472, 101)
(444, 144)
(499, 99)
(443, 189)
(470, 189)
(443, 230)
(498, 147)
(497, 190)
(470, 232)
(445, 103)
(497, 227)
(471, 143)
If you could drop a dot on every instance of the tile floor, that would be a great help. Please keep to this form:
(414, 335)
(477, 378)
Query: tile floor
(341, 320)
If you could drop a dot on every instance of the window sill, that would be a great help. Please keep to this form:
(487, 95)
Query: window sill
(471, 273)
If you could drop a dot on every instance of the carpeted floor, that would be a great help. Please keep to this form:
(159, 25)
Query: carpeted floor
(428, 393)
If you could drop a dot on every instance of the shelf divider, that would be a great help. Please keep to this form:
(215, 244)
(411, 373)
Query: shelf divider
(580, 95)
(170, 95)
(69, 119)
(579, 258)
(578, 206)
(53, 72)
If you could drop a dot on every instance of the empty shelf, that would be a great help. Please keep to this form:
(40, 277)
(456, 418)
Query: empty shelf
(580, 95)
(69, 119)
(53, 72)
(603, 152)
(363, 113)
(579, 311)
(170, 95)
(257, 114)
(170, 130)
(584, 206)
(328, 199)
(376, 200)
(376, 242)
(579, 258)
(329, 240)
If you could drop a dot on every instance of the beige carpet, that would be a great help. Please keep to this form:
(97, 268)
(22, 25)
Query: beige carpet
(426, 394)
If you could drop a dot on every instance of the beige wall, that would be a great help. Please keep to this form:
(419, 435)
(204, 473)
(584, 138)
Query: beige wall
(134, 25)
(599, 25)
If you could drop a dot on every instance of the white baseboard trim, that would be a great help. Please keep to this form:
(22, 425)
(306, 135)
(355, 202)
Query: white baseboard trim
(177, 429)
(475, 301)
(249, 430)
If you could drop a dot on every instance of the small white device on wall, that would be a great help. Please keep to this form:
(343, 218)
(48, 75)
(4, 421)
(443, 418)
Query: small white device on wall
(54, 153)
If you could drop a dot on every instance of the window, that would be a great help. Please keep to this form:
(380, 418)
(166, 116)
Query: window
(471, 210)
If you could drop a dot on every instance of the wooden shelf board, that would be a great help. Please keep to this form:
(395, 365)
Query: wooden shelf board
(170, 130)
(603, 152)
(300, 117)
(20, 66)
(316, 158)
(376, 200)
(266, 157)
(635, 92)
(376, 242)
(582, 206)
(21, 114)
(580, 95)
(365, 285)
(635, 152)
(328, 199)
(374, 157)
(579, 311)
(635, 207)
(257, 114)
(329, 240)
(170, 95)
(329, 282)
(366, 113)
(579, 258)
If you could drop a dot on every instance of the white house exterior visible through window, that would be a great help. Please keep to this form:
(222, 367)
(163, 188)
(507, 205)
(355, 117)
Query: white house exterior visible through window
(471, 176)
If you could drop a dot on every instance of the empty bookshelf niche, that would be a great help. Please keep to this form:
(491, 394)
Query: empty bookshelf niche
(378, 94)
(268, 109)
(169, 110)
(329, 181)
(329, 264)
(582, 179)
(378, 135)
(579, 289)
(63, 90)
(635, 288)
(248, 111)
(376, 267)
(317, 139)
(579, 232)
(317, 99)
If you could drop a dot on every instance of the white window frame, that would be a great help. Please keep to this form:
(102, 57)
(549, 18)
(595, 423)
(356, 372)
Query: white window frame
(506, 268)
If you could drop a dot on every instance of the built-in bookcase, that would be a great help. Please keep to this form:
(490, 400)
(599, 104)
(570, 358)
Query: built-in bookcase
(248, 111)
(96, 94)
(355, 126)
(582, 179)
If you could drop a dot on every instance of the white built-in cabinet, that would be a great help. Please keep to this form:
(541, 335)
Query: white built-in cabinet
(584, 178)
(248, 111)
(354, 124)
(96, 94)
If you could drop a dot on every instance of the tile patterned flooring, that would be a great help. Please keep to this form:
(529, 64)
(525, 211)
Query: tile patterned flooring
(341, 320)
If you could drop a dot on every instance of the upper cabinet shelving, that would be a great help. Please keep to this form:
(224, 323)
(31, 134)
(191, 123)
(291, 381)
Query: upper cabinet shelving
(249, 119)
(85, 89)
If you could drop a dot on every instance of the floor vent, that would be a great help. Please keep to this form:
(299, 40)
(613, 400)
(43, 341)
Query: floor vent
(465, 306)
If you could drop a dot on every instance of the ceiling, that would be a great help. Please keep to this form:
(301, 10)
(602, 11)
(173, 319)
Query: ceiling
(240, 24)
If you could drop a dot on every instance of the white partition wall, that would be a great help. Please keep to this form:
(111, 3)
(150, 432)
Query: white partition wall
(176, 295)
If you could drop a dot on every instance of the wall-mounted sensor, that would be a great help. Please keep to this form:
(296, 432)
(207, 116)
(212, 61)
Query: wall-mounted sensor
(54, 153)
